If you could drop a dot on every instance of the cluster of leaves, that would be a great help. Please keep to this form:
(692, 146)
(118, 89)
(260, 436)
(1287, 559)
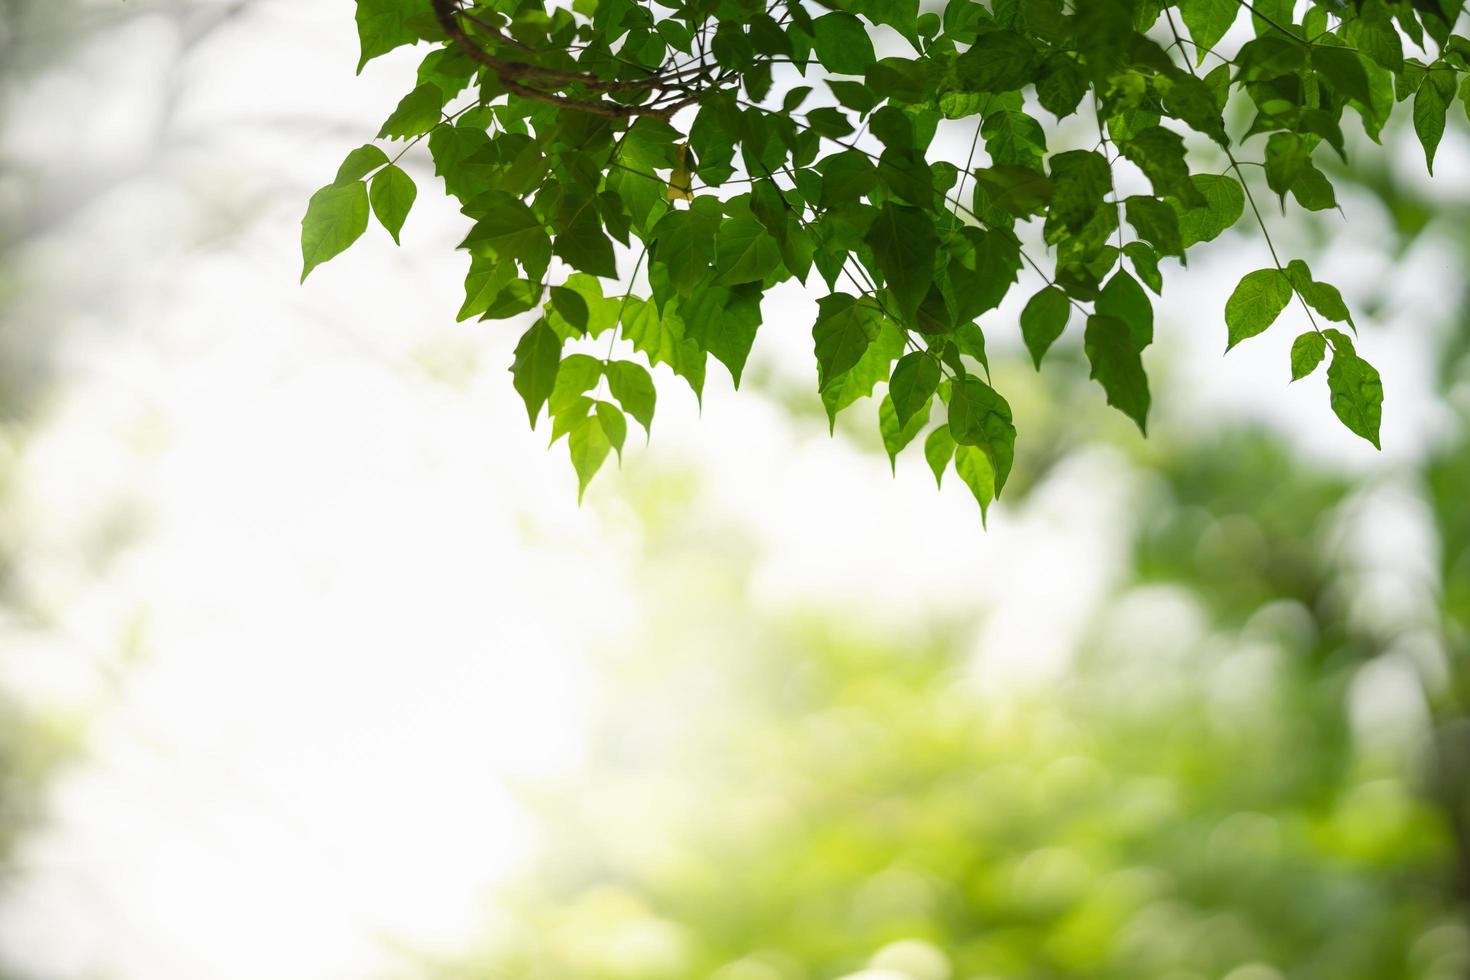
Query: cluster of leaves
(725, 146)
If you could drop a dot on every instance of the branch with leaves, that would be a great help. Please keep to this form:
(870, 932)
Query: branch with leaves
(731, 145)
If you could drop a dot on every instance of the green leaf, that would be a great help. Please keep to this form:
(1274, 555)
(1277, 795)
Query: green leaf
(938, 451)
(578, 307)
(453, 147)
(904, 243)
(1273, 18)
(969, 339)
(1190, 100)
(580, 240)
(391, 196)
(1014, 139)
(982, 267)
(1080, 180)
(1105, 36)
(1313, 190)
(1431, 104)
(1287, 155)
(908, 175)
(829, 122)
(417, 113)
(903, 80)
(980, 417)
(487, 277)
(570, 307)
(1159, 153)
(632, 386)
(1156, 223)
(589, 446)
(712, 136)
(660, 336)
(853, 95)
(1307, 351)
(382, 25)
(794, 98)
(1116, 365)
(1124, 299)
(1043, 320)
(569, 417)
(537, 357)
(934, 316)
(1357, 393)
(684, 242)
(676, 34)
(336, 216)
(1255, 304)
(873, 367)
(960, 105)
(614, 425)
(768, 37)
(449, 68)
(915, 379)
(517, 297)
(723, 321)
(1320, 296)
(745, 252)
(1372, 32)
(1224, 204)
(509, 231)
(896, 435)
(359, 163)
(1146, 263)
(1014, 191)
(978, 473)
(842, 43)
(845, 326)
(901, 15)
(1208, 21)
(893, 127)
(1344, 71)
(846, 177)
(999, 61)
(1061, 85)
(577, 374)
(1269, 57)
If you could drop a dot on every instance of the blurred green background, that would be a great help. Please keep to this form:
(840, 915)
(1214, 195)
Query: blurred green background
(1250, 760)
(1238, 775)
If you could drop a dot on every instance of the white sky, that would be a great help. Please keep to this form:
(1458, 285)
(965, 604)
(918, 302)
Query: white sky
(357, 594)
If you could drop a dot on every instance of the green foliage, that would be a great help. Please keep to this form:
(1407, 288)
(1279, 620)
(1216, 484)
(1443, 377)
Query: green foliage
(1192, 794)
(679, 158)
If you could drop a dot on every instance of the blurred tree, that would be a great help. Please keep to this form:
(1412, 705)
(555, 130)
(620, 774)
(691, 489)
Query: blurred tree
(1189, 800)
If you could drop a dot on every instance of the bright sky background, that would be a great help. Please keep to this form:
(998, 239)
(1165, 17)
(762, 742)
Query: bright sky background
(337, 618)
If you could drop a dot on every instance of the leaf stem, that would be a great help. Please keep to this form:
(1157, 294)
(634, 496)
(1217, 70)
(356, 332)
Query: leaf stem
(1251, 198)
(618, 321)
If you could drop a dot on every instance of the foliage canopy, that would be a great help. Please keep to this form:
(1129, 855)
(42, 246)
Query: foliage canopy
(726, 146)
